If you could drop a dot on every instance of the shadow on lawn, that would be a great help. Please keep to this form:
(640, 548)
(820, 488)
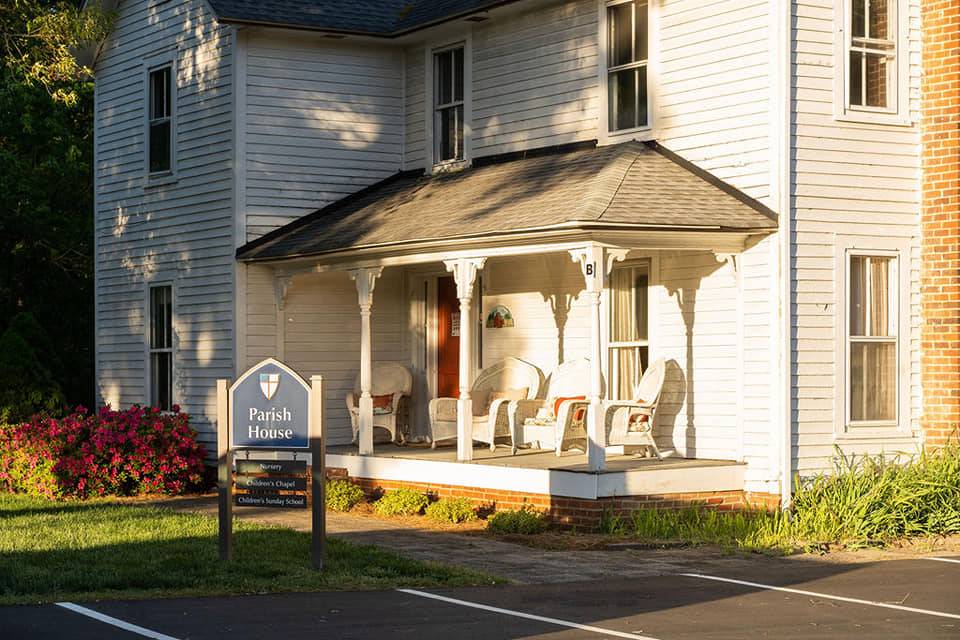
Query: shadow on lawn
(165, 554)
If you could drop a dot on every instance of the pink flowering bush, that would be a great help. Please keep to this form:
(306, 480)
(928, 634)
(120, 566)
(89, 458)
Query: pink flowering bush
(124, 453)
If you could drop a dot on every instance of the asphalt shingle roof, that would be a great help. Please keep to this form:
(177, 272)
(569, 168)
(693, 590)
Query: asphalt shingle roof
(635, 184)
(374, 17)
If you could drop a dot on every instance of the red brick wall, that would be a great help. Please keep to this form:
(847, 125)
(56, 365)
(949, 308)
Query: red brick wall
(575, 511)
(940, 220)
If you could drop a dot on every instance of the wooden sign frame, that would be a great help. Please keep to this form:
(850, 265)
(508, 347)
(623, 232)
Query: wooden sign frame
(225, 457)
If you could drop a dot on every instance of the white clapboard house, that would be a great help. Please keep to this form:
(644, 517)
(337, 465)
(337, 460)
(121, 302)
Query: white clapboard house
(728, 185)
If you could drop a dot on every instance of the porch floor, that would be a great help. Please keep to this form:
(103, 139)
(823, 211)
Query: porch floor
(569, 461)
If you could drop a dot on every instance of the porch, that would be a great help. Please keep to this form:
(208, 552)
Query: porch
(532, 471)
(614, 294)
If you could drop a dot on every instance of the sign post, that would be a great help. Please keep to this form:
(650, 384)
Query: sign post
(270, 407)
(224, 464)
(318, 526)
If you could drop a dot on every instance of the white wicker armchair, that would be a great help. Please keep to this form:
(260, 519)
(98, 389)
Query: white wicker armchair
(510, 379)
(558, 420)
(388, 378)
(631, 423)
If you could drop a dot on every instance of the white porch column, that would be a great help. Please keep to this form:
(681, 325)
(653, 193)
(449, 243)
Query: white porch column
(465, 274)
(595, 263)
(366, 279)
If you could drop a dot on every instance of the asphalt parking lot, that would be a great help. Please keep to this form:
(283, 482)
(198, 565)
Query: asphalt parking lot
(915, 598)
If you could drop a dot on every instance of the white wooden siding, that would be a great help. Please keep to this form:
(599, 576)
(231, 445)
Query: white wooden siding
(535, 79)
(758, 365)
(179, 233)
(322, 335)
(414, 146)
(697, 333)
(323, 119)
(851, 179)
(713, 93)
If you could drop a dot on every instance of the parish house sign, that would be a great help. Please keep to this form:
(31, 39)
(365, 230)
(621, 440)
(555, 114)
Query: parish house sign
(270, 408)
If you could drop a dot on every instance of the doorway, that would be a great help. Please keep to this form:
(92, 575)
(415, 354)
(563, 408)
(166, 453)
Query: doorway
(448, 338)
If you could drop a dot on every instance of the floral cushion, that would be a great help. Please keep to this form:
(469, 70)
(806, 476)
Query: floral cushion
(383, 405)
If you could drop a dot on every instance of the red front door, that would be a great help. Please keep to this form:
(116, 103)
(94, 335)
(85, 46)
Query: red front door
(448, 339)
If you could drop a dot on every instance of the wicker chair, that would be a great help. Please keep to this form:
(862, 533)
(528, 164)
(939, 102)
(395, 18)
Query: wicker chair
(558, 420)
(510, 379)
(631, 423)
(388, 378)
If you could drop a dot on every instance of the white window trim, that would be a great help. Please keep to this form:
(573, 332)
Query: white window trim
(432, 165)
(654, 296)
(160, 281)
(649, 132)
(899, 113)
(155, 179)
(898, 248)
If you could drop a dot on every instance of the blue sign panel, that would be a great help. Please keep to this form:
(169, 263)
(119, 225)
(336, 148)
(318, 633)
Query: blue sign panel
(269, 408)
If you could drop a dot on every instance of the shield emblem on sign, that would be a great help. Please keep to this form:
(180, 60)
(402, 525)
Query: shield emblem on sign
(268, 384)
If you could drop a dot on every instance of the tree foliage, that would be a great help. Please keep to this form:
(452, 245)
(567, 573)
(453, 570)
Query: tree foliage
(46, 186)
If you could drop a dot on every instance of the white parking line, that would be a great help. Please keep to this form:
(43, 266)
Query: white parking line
(826, 596)
(528, 616)
(956, 560)
(126, 626)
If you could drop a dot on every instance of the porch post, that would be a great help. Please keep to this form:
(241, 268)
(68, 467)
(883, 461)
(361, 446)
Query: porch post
(366, 279)
(465, 274)
(595, 264)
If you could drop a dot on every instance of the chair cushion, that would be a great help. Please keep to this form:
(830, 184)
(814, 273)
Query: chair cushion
(639, 422)
(558, 401)
(383, 405)
(509, 394)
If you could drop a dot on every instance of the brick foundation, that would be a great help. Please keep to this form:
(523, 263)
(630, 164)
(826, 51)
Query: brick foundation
(577, 512)
(940, 221)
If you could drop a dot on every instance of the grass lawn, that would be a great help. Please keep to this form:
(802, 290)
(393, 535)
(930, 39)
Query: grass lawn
(54, 551)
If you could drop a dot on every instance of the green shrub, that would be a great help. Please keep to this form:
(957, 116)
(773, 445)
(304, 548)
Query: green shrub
(455, 510)
(401, 502)
(525, 520)
(342, 495)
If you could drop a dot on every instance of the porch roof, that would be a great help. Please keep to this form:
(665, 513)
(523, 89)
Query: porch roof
(629, 186)
(385, 18)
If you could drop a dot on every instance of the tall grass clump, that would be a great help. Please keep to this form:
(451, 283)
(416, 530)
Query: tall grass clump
(867, 500)
(875, 499)
(698, 525)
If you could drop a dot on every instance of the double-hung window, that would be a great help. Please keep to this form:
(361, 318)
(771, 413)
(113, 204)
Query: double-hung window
(629, 338)
(873, 51)
(627, 54)
(872, 340)
(161, 347)
(871, 55)
(160, 120)
(448, 104)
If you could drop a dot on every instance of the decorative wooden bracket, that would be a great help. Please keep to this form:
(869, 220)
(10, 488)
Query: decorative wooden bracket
(464, 272)
(733, 259)
(596, 262)
(366, 279)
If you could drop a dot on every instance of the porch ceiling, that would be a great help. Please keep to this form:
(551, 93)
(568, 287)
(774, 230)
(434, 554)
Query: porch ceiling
(625, 188)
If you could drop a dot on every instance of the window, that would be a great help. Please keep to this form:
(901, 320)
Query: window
(161, 347)
(627, 26)
(448, 104)
(872, 339)
(629, 344)
(872, 54)
(160, 131)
